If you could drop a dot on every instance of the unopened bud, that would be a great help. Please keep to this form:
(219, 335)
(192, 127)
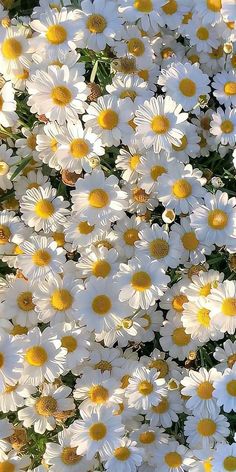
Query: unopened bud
(217, 182)
(228, 48)
(168, 216)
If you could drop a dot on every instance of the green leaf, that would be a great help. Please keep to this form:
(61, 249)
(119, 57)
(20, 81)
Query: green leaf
(21, 166)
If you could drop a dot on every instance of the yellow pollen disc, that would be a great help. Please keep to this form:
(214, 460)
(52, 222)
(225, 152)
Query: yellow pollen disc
(230, 463)
(145, 387)
(19, 330)
(32, 185)
(189, 240)
(79, 148)
(187, 87)
(173, 459)
(23, 76)
(148, 437)
(228, 307)
(205, 390)
(103, 366)
(44, 209)
(129, 93)
(5, 234)
(59, 238)
(108, 119)
(182, 188)
(7, 466)
(206, 427)
(233, 61)
(4, 167)
(124, 381)
(231, 388)
(11, 49)
(159, 248)
(205, 290)
(46, 406)
(10, 388)
(139, 195)
(207, 465)
(160, 124)
(217, 219)
(130, 236)
(178, 301)
(161, 366)
(143, 74)
(187, 17)
(203, 317)
(98, 198)
(56, 34)
(230, 88)
(61, 96)
(214, 5)
(103, 243)
(141, 281)
(97, 431)
(98, 394)
(1, 360)
(53, 144)
(231, 360)
(217, 53)
(203, 141)
(156, 171)
(127, 323)
(162, 407)
(85, 228)
(183, 145)
(24, 301)
(96, 23)
(170, 8)
(122, 453)
(101, 268)
(136, 47)
(69, 456)
(193, 58)
(166, 53)
(144, 6)
(202, 33)
(31, 141)
(134, 161)
(69, 343)
(41, 258)
(227, 126)
(101, 304)
(119, 410)
(61, 299)
(36, 356)
(180, 337)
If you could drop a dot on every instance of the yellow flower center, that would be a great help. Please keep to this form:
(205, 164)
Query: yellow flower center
(98, 394)
(101, 304)
(124, 381)
(166, 53)
(101, 268)
(214, 5)
(202, 33)
(205, 290)
(4, 167)
(129, 93)
(231, 360)
(156, 171)
(148, 437)
(144, 6)
(53, 144)
(230, 463)
(143, 74)
(160, 124)
(127, 323)
(134, 161)
(103, 243)
(56, 34)
(203, 317)
(41, 258)
(5, 234)
(131, 236)
(139, 195)
(1, 359)
(23, 76)
(182, 189)
(98, 198)
(69, 456)
(141, 281)
(183, 145)
(108, 119)
(44, 209)
(206, 427)
(159, 248)
(69, 342)
(231, 388)
(17, 329)
(189, 240)
(136, 47)
(61, 299)
(173, 459)
(207, 465)
(217, 219)
(103, 366)
(161, 366)
(170, 8)
(31, 141)
(24, 301)
(61, 95)
(228, 307)
(205, 390)
(227, 126)
(162, 407)
(178, 301)
(36, 356)
(230, 88)
(46, 406)
(10, 388)
(7, 466)
(11, 49)
(59, 238)
(122, 453)
(187, 87)
(180, 337)
(217, 53)
(79, 148)
(193, 58)
(85, 228)
(145, 387)
(96, 23)
(97, 431)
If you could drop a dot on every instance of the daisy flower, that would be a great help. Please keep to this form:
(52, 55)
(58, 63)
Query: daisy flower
(75, 341)
(97, 198)
(228, 10)
(173, 12)
(7, 430)
(210, 11)
(225, 390)
(11, 230)
(44, 358)
(222, 305)
(139, 201)
(167, 411)
(11, 358)
(133, 87)
(159, 123)
(8, 115)
(128, 161)
(149, 438)
(223, 126)
(224, 457)
(226, 355)
(47, 144)
(18, 304)
(224, 84)
(166, 367)
(151, 167)
(100, 431)
(131, 328)
(198, 388)
(99, 262)
(33, 179)
(7, 166)
(202, 36)
(135, 46)
(189, 146)
(141, 282)
(14, 50)
(147, 12)
(201, 285)
(125, 457)
(127, 230)
(15, 462)
(204, 431)
(27, 146)
(80, 233)
(59, 94)
(192, 249)
(47, 4)
(197, 321)
(13, 397)
(145, 388)
(173, 457)
(175, 339)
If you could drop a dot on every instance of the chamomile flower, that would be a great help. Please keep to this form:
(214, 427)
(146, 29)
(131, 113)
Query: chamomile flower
(147, 12)
(226, 355)
(150, 168)
(173, 457)
(27, 146)
(224, 84)
(135, 46)
(75, 341)
(197, 321)
(13, 397)
(149, 438)
(80, 233)
(11, 358)
(14, 50)
(139, 201)
(12, 460)
(201, 284)
(128, 161)
(222, 303)
(99, 262)
(173, 13)
(33, 179)
(199, 388)
(224, 457)
(125, 457)
(204, 431)
(133, 87)
(127, 230)
(11, 230)
(203, 36)
(8, 115)
(223, 126)
(145, 388)
(47, 144)
(130, 328)
(167, 411)
(18, 304)
(175, 339)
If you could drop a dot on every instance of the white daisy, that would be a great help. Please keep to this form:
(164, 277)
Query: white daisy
(133, 87)
(204, 431)
(223, 126)
(47, 144)
(148, 12)
(75, 340)
(175, 339)
(203, 36)
(224, 84)
(197, 321)
(167, 411)
(145, 388)
(226, 355)
(222, 305)
(135, 46)
(224, 457)
(173, 457)
(125, 457)
(99, 262)
(198, 388)
(80, 233)
(14, 50)
(8, 115)
(18, 304)
(11, 358)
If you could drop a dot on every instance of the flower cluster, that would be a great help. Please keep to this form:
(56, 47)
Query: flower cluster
(118, 236)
